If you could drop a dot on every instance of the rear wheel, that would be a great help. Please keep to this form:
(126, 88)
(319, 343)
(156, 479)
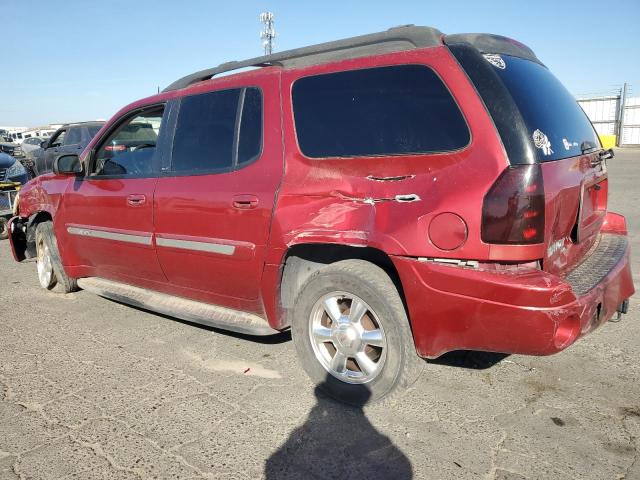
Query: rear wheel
(51, 274)
(352, 334)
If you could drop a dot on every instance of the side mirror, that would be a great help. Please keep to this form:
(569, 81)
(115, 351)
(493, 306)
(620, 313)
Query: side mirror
(44, 144)
(67, 165)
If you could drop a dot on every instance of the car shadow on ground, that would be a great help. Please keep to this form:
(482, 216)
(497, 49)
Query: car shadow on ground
(337, 441)
(470, 359)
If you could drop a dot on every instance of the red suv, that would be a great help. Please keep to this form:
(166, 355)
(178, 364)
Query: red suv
(394, 193)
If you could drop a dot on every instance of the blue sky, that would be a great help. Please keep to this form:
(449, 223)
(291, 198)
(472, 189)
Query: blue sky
(78, 60)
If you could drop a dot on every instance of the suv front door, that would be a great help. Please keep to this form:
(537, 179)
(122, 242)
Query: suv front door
(214, 201)
(108, 213)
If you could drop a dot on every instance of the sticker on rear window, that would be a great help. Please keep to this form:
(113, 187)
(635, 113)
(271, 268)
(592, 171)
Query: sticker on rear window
(542, 142)
(568, 145)
(495, 60)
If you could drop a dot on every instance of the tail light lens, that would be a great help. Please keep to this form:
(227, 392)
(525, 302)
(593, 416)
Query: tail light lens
(115, 148)
(513, 209)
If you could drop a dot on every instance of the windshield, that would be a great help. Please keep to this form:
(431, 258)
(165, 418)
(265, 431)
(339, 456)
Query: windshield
(557, 125)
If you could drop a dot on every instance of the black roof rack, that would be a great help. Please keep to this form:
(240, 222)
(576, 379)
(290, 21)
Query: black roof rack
(406, 37)
(488, 43)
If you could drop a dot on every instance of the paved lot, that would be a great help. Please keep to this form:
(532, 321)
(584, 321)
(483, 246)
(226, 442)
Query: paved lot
(93, 389)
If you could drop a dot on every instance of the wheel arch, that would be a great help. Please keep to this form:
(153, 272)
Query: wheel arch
(30, 234)
(300, 261)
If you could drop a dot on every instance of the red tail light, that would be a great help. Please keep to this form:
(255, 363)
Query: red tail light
(115, 148)
(513, 209)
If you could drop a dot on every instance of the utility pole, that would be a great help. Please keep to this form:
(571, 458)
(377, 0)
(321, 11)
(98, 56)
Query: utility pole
(268, 33)
(623, 101)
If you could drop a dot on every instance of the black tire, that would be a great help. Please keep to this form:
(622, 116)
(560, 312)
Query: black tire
(370, 283)
(60, 281)
(4, 228)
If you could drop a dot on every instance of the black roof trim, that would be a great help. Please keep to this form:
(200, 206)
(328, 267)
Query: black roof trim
(407, 37)
(488, 43)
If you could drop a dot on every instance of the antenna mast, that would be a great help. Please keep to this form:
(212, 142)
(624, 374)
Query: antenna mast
(268, 33)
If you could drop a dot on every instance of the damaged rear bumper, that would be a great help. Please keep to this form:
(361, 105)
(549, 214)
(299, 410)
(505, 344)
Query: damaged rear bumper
(528, 312)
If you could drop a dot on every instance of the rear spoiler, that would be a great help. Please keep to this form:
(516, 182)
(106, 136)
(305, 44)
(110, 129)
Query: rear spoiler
(487, 43)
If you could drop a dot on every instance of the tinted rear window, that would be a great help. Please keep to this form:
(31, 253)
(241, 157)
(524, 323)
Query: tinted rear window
(557, 126)
(379, 111)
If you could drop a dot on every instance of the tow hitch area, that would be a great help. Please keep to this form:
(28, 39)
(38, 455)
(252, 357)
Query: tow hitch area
(623, 308)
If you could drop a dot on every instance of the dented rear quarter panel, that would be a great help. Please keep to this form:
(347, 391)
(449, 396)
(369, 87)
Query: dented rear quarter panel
(359, 201)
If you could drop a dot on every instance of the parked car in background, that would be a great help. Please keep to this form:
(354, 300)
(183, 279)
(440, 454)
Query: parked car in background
(386, 197)
(8, 146)
(31, 148)
(31, 144)
(16, 137)
(11, 170)
(70, 138)
(12, 176)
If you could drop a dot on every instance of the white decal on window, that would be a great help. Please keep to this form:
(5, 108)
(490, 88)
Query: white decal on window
(495, 60)
(568, 144)
(541, 141)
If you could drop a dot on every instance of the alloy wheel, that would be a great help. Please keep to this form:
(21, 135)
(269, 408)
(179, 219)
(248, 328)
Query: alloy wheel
(347, 337)
(44, 265)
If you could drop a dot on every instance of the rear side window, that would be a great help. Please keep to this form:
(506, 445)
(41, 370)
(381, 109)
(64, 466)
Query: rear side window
(395, 110)
(217, 131)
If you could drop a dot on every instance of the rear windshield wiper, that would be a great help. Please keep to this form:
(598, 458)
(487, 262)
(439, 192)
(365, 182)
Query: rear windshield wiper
(602, 156)
(587, 147)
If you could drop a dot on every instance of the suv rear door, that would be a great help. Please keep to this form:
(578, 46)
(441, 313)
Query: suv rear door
(107, 219)
(214, 200)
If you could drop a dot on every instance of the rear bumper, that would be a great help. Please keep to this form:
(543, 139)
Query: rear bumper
(533, 312)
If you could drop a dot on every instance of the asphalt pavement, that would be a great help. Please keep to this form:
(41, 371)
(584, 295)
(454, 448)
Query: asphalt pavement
(91, 389)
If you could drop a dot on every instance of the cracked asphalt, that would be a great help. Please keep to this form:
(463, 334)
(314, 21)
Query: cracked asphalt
(90, 389)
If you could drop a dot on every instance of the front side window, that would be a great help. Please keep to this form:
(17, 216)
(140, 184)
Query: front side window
(58, 139)
(395, 110)
(93, 129)
(217, 131)
(131, 148)
(74, 136)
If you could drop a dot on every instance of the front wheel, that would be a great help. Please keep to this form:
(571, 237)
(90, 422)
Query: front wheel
(352, 333)
(51, 274)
